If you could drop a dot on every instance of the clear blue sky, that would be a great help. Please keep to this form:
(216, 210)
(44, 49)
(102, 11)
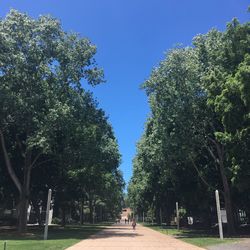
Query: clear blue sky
(131, 37)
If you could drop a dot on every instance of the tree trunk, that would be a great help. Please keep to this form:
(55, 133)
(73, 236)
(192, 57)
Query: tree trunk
(24, 197)
(24, 188)
(226, 189)
(9, 165)
(91, 211)
(22, 214)
(94, 214)
(37, 212)
(168, 214)
(63, 223)
(101, 215)
(82, 212)
(157, 215)
(160, 216)
(22, 211)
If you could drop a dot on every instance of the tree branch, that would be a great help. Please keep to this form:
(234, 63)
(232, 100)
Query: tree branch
(34, 161)
(8, 164)
(42, 162)
(20, 146)
(200, 175)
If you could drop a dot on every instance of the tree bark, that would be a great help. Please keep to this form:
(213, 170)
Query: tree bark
(226, 188)
(22, 207)
(82, 212)
(101, 214)
(93, 220)
(24, 196)
(63, 223)
(37, 212)
(227, 192)
(91, 210)
(24, 188)
(9, 165)
(22, 215)
(157, 215)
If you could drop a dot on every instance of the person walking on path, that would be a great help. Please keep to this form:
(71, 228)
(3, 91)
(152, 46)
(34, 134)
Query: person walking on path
(133, 224)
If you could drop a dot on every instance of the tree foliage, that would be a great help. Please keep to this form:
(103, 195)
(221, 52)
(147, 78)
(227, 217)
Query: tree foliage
(49, 124)
(197, 137)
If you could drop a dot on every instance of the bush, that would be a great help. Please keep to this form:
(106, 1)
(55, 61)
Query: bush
(56, 220)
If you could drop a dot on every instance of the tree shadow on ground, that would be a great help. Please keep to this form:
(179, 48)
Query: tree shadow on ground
(55, 232)
(202, 233)
(68, 232)
(115, 234)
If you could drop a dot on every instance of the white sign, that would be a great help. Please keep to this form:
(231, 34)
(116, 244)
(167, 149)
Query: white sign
(28, 212)
(223, 215)
(190, 220)
(50, 216)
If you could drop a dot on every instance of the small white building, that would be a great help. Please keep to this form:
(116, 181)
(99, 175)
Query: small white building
(126, 213)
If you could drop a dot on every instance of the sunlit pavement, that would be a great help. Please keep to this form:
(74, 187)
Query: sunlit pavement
(123, 237)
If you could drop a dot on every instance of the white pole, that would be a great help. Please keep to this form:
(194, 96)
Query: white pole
(47, 216)
(217, 198)
(177, 217)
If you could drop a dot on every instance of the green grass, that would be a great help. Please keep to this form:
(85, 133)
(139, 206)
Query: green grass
(58, 237)
(199, 238)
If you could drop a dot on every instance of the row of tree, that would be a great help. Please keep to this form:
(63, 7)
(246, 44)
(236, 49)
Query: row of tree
(197, 138)
(52, 133)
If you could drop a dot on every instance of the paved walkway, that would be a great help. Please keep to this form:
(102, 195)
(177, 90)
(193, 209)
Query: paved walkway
(122, 237)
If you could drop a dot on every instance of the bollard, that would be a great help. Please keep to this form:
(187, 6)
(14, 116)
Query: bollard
(5, 245)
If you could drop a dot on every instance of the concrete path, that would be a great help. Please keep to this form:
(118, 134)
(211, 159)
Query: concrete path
(122, 237)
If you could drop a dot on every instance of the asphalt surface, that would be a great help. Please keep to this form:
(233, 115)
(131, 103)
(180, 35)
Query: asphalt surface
(242, 245)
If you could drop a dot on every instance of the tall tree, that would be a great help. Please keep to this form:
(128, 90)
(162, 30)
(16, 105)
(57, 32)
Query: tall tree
(197, 97)
(39, 63)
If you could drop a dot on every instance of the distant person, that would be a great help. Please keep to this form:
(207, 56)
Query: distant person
(133, 224)
(125, 221)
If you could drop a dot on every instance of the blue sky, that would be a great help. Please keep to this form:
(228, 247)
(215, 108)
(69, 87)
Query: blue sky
(131, 37)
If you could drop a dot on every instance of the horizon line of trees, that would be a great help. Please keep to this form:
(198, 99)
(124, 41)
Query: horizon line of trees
(197, 138)
(52, 133)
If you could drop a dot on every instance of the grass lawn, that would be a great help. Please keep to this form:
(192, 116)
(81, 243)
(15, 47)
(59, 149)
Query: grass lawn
(199, 238)
(58, 237)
